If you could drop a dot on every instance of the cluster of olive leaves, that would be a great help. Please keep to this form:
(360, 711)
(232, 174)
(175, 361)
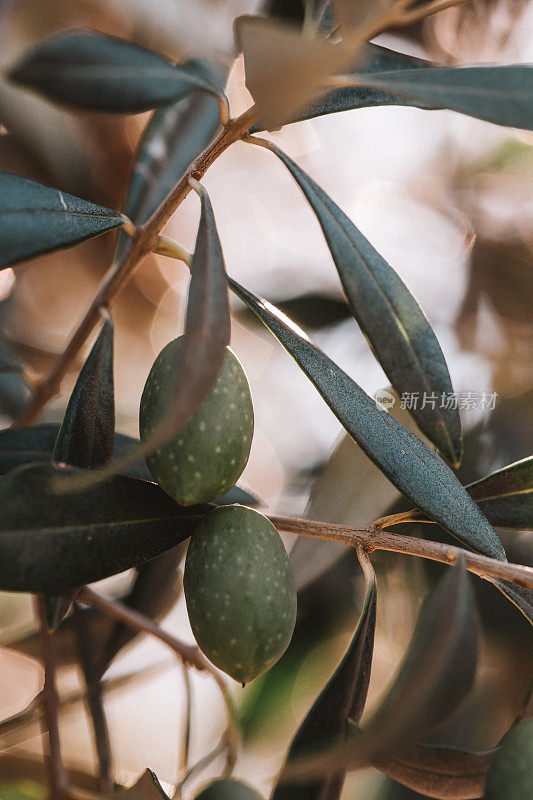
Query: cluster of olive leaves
(54, 540)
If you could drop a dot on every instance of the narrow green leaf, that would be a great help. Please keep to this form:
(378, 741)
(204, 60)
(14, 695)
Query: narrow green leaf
(510, 776)
(207, 327)
(8, 363)
(53, 542)
(375, 59)
(56, 608)
(513, 512)
(519, 596)
(499, 94)
(517, 477)
(146, 788)
(87, 434)
(14, 393)
(171, 141)
(344, 696)
(35, 444)
(239, 495)
(36, 219)
(411, 466)
(390, 317)
(439, 772)
(434, 678)
(88, 70)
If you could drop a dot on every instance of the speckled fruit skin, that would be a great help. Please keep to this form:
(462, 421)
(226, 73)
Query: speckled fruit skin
(228, 790)
(240, 591)
(206, 457)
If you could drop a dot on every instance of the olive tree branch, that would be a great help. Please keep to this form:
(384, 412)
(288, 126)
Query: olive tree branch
(188, 654)
(374, 538)
(145, 241)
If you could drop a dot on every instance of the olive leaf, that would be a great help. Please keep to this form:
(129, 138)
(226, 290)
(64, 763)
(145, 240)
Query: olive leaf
(8, 363)
(389, 316)
(36, 219)
(171, 141)
(284, 69)
(52, 541)
(14, 393)
(499, 94)
(87, 433)
(434, 677)
(519, 596)
(510, 774)
(89, 70)
(35, 444)
(344, 696)
(146, 788)
(506, 496)
(411, 466)
(374, 58)
(439, 772)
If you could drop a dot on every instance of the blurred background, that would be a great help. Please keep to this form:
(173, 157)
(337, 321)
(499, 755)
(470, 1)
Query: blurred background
(447, 200)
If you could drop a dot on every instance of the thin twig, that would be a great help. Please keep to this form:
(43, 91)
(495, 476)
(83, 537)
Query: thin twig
(189, 654)
(185, 744)
(94, 701)
(57, 776)
(146, 241)
(375, 539)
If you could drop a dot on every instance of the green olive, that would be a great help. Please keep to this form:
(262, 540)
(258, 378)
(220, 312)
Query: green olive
(205, 458)
(240, 591)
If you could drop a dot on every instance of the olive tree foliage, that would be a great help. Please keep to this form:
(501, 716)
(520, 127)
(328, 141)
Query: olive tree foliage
(79, 503)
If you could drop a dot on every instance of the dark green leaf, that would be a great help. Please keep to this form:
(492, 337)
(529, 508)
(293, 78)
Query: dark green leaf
(14, 393)
(88, 70)
(434, 678)
(87, 433)
(239, 495)
(56, 609)
(52, 541)
(390, 317)
(500, 94)
(514, 512)
(146, 788)
(156, 589)
(36, 219)
(510, 776)
(344, 696)
(34, 445)
(519, 596)
(439, 772)
(171, 141)
(375, 59)
(517, 477)
(207, 326)
(417, 472)
(8, 363)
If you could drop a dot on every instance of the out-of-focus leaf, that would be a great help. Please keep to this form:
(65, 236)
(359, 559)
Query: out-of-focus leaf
(519, 596)
(439, 772)
(35, 445)
(36, 219)
(56, 608)
(517, 477)
(88, 70)
(310, 310)
(53, 542)
(434, 678)
(171, 141)
(156, 589)
(500, 94)
(343, 697)
(514, 512)
(14, 394)
(510, 776)
(239, 495)
(322, 13)
(207, 328)
(416, 471)
(374, 58)
(389, 316)
(284, 69)
(87, 433)
(8, 363)
(146, 788)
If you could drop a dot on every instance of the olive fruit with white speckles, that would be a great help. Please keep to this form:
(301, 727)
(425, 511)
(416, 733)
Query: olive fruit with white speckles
(228, 789)
(205, 458)
(240, 591)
